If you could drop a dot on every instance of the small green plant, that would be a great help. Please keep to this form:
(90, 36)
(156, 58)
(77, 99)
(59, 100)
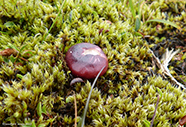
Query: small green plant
(138, 18)
(59, 13)
(146, 123)
(41, 110)
(17, 55)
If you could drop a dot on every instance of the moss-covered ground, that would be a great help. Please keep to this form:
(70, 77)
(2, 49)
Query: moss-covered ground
(35, 81)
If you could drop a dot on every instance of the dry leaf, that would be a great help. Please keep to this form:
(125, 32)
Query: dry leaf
(8, 52)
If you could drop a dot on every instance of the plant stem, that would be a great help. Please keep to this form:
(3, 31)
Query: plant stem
(88, 99)
(54, 20)
(155, 111)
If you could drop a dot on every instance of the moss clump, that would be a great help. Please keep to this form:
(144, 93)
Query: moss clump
(37, 91)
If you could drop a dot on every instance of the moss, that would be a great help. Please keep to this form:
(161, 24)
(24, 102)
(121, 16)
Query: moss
(124, 96)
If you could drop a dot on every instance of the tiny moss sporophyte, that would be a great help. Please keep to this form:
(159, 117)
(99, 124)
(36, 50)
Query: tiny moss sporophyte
(85, 60)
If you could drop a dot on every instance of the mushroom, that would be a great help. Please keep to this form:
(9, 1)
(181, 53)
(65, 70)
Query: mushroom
(85, 60)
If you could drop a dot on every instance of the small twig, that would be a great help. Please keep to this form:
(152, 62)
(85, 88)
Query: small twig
(75, 104)
(23, 59)
(150, 15)
(151, 124)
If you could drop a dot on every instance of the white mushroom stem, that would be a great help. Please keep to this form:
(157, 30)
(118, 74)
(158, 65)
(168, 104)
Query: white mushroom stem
(166, 57)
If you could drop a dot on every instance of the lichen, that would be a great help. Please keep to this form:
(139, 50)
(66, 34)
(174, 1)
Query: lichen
(38, 91)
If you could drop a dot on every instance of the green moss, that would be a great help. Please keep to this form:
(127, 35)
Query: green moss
(124, 96)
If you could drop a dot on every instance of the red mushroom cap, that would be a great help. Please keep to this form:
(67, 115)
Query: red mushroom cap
(85, 60)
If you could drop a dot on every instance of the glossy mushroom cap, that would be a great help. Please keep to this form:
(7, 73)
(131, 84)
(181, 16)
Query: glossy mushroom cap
(85, 60)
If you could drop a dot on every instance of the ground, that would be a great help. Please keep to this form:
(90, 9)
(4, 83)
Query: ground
(35, 81)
